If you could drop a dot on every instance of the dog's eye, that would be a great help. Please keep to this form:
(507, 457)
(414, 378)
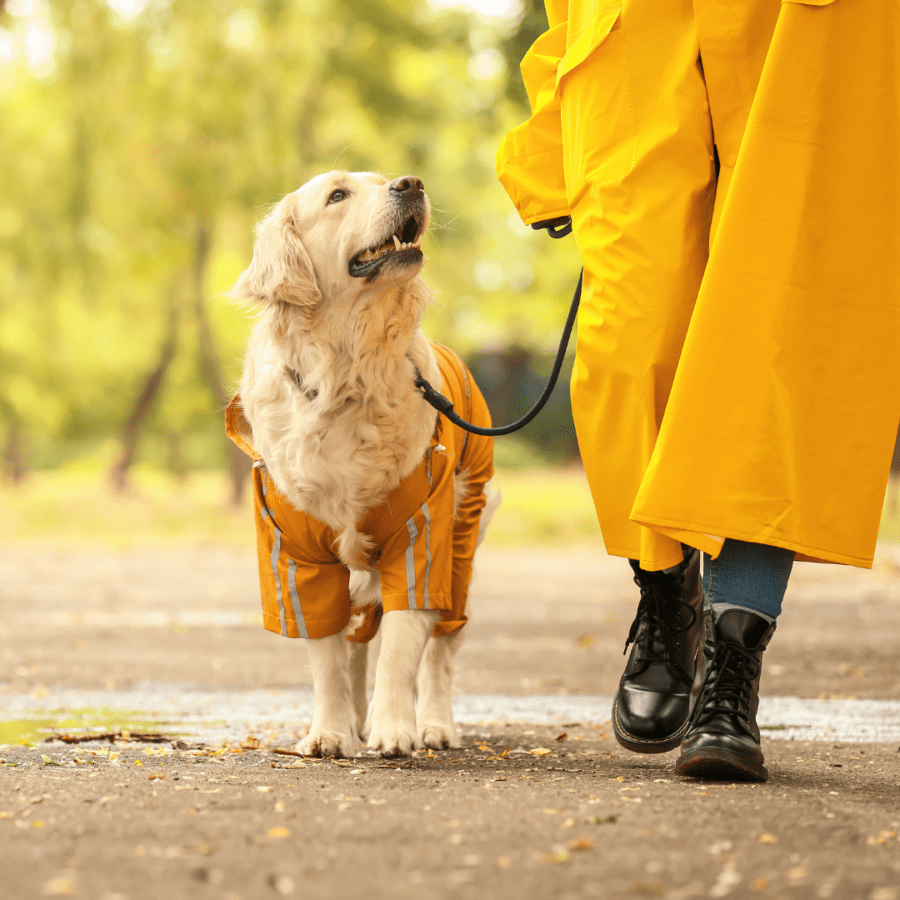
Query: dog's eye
(337, 196)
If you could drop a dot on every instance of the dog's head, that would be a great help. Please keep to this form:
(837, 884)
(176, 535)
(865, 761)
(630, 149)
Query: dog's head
(339, 235)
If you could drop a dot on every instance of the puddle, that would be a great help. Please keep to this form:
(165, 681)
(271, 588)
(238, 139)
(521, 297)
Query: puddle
(33, 731)
(215, 717)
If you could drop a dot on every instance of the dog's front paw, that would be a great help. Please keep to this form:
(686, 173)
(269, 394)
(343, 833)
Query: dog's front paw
(393, 739)
(328, 743)
(439, 735)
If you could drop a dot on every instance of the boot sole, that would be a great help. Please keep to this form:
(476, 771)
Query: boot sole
(719, 765)
(642, 745)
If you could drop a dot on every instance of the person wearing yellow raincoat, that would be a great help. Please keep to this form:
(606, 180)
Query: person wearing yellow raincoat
(732, 174)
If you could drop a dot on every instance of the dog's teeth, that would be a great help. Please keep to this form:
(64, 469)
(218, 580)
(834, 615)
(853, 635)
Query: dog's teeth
(397, 243)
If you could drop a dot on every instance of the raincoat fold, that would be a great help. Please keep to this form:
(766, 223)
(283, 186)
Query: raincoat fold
(738, 364)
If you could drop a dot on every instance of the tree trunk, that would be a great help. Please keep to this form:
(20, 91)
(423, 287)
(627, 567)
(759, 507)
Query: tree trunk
(145, 401)
(239, 464)
(14, 454)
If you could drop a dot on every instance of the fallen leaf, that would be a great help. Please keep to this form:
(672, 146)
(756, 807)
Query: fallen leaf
(581, 843)
(279, 831)
(797, 872)
(264, 789)
(561, 737)
(768, 839)
(882, 837)
(540, 751)
(48, 761)
(251, 742)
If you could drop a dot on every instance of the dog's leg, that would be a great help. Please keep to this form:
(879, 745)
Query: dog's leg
(359, 664)
(333, 731)
(434, 717)
(365, 591)
(392, 718)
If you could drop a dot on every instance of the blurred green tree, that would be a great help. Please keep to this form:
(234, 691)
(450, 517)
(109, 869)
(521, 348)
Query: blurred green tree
(141, 139)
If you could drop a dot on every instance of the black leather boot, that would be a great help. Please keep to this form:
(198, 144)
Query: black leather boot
(722, 739)
(651, 708)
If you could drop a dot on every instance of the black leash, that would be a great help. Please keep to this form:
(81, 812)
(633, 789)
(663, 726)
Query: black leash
(556, 228)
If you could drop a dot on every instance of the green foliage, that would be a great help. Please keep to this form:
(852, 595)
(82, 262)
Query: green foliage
(140, 140)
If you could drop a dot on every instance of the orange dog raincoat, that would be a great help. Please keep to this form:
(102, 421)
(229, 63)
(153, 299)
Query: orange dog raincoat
(423, 554)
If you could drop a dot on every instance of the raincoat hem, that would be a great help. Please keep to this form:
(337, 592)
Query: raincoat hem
(401, 599)
(315, 628)
(700, 534)
(648, 565)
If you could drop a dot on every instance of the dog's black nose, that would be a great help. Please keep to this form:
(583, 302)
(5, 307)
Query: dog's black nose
(407, 184)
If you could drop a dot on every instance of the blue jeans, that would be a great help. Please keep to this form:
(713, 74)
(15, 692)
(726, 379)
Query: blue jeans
(752, 576)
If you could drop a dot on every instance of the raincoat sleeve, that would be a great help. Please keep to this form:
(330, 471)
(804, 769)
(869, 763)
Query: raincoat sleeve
(530, 159)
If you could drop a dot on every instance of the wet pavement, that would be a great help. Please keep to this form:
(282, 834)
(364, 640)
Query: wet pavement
(539, 802)
(228, 716)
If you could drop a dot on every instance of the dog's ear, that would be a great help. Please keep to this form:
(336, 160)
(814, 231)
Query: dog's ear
(281, 268)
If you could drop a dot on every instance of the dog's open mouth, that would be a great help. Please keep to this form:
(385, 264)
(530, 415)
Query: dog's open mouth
(402, 246)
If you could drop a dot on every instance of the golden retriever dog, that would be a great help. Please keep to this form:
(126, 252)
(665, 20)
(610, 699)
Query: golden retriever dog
(369, 506)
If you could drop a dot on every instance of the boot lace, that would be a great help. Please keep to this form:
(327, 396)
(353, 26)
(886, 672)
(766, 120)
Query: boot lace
(728, 686)
(667, 617)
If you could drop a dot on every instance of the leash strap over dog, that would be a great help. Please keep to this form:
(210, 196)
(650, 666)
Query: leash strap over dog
(445, 406)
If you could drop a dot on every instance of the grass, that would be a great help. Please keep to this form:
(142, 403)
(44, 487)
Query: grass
(79, 508)
(550, 506)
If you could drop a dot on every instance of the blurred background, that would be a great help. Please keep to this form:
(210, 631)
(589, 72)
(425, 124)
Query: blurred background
(140, 141)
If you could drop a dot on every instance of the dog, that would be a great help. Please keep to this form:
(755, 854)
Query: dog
(369, 506)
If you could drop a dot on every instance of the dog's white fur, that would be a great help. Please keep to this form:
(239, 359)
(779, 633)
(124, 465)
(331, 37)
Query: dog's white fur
(353, 427)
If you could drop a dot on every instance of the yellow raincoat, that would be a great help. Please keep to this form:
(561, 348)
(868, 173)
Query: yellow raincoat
(738, 358)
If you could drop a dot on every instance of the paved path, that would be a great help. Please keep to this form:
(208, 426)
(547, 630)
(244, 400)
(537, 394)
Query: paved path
(175, 632)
